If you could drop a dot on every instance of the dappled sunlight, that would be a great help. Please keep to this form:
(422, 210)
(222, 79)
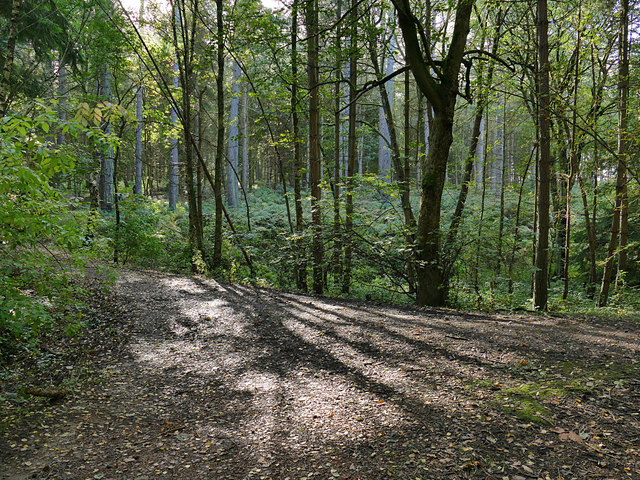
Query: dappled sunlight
(260, 375)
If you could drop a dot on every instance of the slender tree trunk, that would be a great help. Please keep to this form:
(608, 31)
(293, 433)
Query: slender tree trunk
(386, 96)
(301, 263)
(503, 181)
(184, 37)
(245, 139)
(317, 248)
(353, 79)
(219, 170)
(9, 57)
(137, 187)
(573, 156)
(234, 140)
(516, 229)
(483, 196)
(200, 133)
(116, 242)
(620, 210)
(623, 143)
(541, 287)
(483, 99)
(337, 241)
(173, 163)
(400, 167)
(63, 93)
(405, 187)
(106, 163)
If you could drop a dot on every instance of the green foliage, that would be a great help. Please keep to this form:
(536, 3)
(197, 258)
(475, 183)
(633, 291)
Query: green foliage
(37, 231)
(149, 235)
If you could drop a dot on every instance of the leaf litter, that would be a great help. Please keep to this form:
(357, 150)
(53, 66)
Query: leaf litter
(187, 378)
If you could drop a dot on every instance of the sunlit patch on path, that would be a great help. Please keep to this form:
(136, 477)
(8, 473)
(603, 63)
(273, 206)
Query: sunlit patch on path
(233, 382)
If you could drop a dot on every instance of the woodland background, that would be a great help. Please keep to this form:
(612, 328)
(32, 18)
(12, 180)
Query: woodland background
(482, 155)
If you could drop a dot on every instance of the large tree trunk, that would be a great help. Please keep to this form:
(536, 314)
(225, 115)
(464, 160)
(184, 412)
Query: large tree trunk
(429, 265)
(441, 93)
(541, 277)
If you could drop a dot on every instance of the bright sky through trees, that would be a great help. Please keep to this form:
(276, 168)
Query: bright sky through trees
(133, 6)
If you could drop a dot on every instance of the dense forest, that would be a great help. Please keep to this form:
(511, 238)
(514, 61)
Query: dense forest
(475, 154)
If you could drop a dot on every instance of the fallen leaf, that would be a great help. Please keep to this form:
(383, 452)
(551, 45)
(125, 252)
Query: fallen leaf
(571, 436)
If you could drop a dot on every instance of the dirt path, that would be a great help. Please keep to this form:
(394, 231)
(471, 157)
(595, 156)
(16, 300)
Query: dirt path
(192, 379)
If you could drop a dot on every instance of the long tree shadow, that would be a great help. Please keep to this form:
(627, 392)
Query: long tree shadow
(289, 384)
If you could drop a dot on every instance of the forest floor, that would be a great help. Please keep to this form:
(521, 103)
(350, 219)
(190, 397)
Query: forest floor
(187, 378)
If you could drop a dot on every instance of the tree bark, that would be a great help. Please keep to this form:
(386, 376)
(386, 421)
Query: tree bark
(301, 264)
(106, 158)
(315, 160)
(173, 163)
(541, 288)
(351, 156)
(9, 57)
(482, 101)
(338, 156)
(619, 222)
(219, 170)
(234, 140)
(441, 93)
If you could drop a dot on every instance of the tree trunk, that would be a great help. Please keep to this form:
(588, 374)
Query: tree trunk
(106, 162)
(353, 78)
(337, 158)
(503, 186)
(173, 163)
(137, 187)
(315, 177)
(63, 93)
(541, 288)
(481, 103)
(184, 32)
(441, 93)
(219, 170)
(301, 261)
(234, 140)
(9, 57)
(573, 156)
(623, 143)
(405, 186)
(245, 139)
(620, 210)
(386, 96)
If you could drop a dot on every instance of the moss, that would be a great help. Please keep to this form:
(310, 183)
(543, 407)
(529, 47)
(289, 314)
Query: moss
(529, 411)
